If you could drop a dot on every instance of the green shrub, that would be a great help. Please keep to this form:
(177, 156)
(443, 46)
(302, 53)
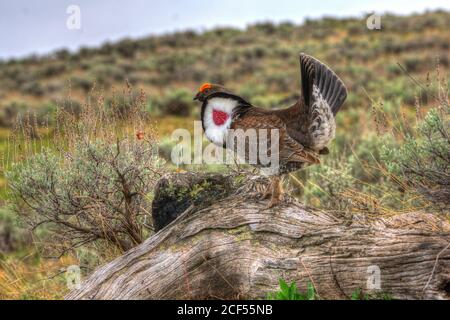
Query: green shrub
(326, 183)
(12, 235)
(71, 106)
(97, 192)
(52, 70)
(176, 66)
(366, 157)
(106, 74)
(32, 88)
(422, 160)
(176, 102)
(251, 89)
(83, 83)
(10, 112)
(268, 101)
(90, 183)
(126, 48)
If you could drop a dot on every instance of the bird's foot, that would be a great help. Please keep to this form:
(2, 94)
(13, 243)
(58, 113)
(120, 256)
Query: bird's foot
(272, 203)
(275, 201)
(274, 191)
(266, 195)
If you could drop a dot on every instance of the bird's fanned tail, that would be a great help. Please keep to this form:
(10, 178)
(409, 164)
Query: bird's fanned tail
(318, 77)
(323, 95)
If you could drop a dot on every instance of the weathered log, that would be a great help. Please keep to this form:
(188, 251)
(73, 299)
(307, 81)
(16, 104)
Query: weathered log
(236, 248)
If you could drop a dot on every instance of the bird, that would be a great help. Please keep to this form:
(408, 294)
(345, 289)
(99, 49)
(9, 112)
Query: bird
(304, 129)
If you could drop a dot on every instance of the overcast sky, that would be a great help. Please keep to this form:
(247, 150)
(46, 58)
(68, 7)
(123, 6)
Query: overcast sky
(32, 26)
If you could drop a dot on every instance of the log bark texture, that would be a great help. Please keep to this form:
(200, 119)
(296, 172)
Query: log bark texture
(236, 248)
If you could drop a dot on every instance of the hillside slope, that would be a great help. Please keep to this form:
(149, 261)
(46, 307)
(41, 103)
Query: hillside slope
(260, 63)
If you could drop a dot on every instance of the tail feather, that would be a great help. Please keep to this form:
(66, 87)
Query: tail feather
(330, 86)
(323, 95)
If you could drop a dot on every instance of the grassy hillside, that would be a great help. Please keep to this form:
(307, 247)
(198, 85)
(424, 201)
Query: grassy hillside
(260, 63)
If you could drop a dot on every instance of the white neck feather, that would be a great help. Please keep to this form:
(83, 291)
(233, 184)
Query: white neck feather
(217, 134)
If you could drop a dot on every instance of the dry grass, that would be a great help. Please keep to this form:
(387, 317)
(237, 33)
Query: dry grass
(32, 278)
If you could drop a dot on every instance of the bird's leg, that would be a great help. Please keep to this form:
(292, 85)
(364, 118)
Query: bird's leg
(276, 188)
(268, 193)
(269, 189)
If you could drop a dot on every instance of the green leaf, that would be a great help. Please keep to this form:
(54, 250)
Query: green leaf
(292, 291)
(311, 292)
(284, 286)
(356, 295)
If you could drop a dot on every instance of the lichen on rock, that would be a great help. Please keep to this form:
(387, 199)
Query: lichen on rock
(176, 192)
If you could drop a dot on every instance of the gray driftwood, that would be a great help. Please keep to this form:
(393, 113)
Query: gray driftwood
(236, 248)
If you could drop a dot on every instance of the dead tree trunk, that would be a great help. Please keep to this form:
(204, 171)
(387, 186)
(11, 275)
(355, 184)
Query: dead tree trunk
(235, 248)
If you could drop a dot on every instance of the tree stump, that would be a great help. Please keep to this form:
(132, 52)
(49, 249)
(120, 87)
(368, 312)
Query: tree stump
(236, 248)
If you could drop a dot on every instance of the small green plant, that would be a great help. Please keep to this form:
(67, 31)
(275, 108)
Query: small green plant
(359, 295)
(290, 292)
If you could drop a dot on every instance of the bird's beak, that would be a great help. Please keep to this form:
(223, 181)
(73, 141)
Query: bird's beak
(197, 96)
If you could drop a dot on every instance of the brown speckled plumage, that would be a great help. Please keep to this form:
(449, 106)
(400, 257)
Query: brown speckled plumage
(304, 128)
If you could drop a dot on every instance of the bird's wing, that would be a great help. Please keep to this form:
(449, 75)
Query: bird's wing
(292, 151)
(289, 149)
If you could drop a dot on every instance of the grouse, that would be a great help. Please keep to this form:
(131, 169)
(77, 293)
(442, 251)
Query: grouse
(304, 129)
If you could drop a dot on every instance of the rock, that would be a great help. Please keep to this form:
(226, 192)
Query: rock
(176, 192)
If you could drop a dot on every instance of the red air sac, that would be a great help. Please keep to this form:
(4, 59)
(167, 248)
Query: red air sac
(219, 117)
